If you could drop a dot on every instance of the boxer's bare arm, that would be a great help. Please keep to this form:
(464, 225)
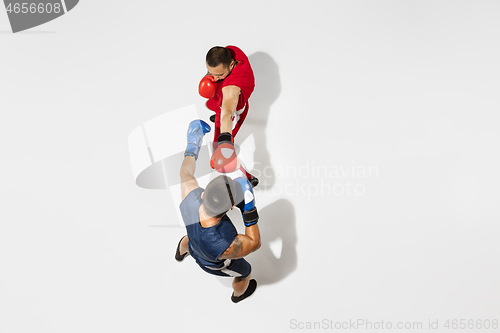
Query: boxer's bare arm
(188, 182)
(243, 244)
(230, 96)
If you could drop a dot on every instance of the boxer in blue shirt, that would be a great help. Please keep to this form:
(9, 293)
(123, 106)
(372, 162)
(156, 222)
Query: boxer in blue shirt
(212, 239)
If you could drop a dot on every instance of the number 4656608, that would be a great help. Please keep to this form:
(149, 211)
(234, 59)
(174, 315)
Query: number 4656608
(471, 324)
(34, 8)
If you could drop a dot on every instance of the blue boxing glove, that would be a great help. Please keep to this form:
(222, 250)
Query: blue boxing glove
(196, 130)
(245, 201)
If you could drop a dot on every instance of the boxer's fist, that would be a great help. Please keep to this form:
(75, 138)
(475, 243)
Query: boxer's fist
(224, 158)
(207, 86)
(245, 201)
(196, 130)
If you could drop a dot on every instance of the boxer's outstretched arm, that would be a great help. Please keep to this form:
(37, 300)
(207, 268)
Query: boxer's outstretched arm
(230, 96)
(188, 182)
(196, 130)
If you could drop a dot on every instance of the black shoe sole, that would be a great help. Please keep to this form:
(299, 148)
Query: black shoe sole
(250, 290)
(254, 181)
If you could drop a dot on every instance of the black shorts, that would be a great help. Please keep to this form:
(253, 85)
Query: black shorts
(232, 267)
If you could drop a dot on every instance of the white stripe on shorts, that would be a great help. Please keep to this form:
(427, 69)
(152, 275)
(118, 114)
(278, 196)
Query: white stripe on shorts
(230, 272)
(223, 269)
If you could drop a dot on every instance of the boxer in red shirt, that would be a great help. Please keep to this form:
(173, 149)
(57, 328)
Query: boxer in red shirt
(228, 85)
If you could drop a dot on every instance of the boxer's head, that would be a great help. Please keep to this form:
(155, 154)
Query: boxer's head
(218, 197)
(219, 62)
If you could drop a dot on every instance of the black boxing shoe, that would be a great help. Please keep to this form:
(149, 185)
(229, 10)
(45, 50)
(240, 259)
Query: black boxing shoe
(212, 118)
(254, 181)
(252, 285)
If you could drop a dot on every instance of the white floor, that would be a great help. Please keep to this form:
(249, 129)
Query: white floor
(376, 140)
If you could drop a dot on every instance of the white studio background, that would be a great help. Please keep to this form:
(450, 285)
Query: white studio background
(396, 101)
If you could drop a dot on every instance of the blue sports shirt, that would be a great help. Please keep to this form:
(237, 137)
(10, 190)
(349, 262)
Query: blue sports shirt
(205, 244)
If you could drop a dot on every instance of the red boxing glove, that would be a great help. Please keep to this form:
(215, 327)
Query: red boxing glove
(207, 86)
(224, 159)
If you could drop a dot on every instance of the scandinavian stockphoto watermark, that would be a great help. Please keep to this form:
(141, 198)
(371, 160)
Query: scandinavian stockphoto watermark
(311, 179)
(26, 14)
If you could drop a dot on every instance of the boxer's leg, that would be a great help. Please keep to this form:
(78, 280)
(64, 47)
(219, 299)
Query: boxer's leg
(236, 127)
(182, 249)
(240, 285)
(252, 285)
(184, 245)
(243, 285)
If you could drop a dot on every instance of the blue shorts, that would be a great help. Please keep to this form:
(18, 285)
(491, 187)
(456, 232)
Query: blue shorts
(232, 267)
